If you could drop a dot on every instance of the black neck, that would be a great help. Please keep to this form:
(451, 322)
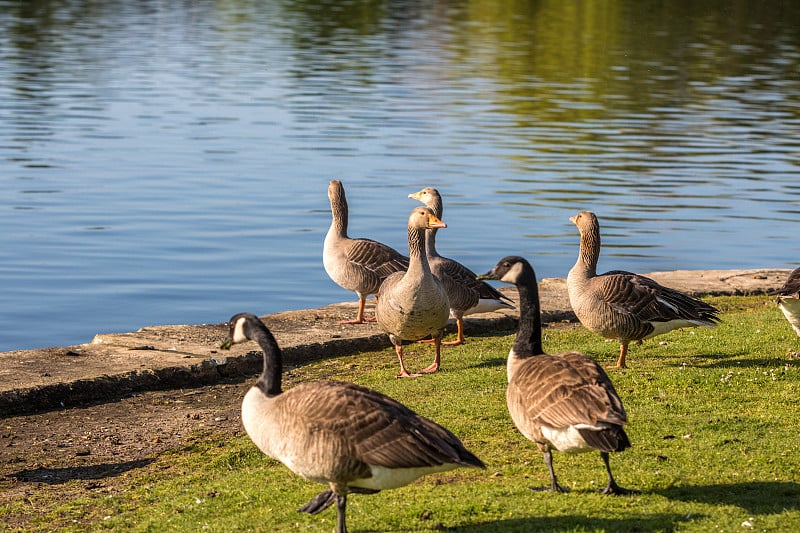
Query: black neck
(270, 380)
(529, 334)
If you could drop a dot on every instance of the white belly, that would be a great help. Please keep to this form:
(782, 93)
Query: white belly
(791, 310)
(391, 478)
(566, 440)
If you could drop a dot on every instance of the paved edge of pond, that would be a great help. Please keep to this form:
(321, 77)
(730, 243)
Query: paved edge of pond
(114, 365)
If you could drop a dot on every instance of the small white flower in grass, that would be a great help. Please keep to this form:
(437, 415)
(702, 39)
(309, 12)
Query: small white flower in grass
(748, 522)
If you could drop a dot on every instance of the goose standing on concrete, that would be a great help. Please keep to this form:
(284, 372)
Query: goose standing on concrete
(413, 305)
(625, 306)
(467, 294)
(789, 299)
(352, 438)
(358, 265)
(563, 402)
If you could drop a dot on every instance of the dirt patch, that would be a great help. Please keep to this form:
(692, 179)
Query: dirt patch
(96, 445)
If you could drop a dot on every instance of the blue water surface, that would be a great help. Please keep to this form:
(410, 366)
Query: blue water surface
(168, 162)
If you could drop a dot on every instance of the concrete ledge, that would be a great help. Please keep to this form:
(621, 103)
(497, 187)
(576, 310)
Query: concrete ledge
(162, 357)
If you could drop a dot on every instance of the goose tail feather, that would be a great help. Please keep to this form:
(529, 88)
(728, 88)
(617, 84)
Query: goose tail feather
(610, 439)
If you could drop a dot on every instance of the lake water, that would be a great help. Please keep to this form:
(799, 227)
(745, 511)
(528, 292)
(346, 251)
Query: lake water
(166, 162)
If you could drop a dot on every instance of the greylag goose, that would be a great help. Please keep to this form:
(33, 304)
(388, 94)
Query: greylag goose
(622, 305)
(352, 438)
(789, 299)
(467, 294)
(563, 402)
(413, 305)
(358, 265)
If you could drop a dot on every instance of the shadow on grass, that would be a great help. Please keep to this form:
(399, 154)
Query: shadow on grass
(491, 363)
(657, 522)
(757, 497)
(666, 523)
(772, 362)
(56, 476)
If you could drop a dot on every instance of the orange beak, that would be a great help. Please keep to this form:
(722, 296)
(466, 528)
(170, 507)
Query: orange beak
(434, 222)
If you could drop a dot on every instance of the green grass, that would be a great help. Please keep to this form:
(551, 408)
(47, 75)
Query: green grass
(712, 412)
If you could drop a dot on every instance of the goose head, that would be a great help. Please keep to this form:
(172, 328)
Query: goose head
(510, 269)
(335, 190)
(585, 220)
(240, 329)
(423, 218)
(429, 197)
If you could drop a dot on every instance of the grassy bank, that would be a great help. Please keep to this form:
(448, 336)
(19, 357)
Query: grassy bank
(713, 420)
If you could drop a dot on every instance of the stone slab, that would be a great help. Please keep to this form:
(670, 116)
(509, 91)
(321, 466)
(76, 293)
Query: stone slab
(157, 357)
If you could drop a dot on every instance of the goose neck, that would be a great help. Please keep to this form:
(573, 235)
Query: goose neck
(529, 333)
(270, 379)
(430, 242)
(437, 207)
(339, 215)
(589, 252)
(418, 257)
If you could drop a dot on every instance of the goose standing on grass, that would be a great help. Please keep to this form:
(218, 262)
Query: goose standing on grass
(352, 438)
(413, 305)
(563, 402)
(789, 299)
(467, 294)
(358, 265)
(625, 306)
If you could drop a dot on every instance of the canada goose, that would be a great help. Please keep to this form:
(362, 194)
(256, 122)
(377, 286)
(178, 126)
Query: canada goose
(358, 265)
(622, 305)
(467, 294)
(353, 438)
(789, 299)
(563, 402)
(412, 305)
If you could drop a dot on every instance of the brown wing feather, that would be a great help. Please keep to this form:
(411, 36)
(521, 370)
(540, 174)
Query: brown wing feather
(462, 284)
(565, 390)
(376, 257)
(792, 285)
(650, 301)
(377, 429)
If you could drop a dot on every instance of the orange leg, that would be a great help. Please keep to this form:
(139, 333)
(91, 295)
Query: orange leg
(403, 372)
(623, 351)
(360, 317)
(460, 336)
(459, 339)
(372, 318)
(437, 341)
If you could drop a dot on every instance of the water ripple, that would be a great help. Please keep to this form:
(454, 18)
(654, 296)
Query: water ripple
(167, 163)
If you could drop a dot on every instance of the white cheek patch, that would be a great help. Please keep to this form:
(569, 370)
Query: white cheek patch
(238, 332)
(513, 274)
